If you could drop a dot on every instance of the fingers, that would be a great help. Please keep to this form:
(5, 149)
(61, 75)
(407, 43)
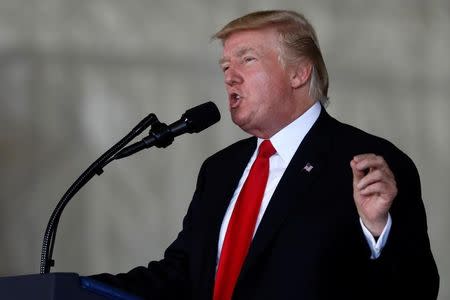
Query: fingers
(375, 188)
(375, 175)
(372, 175)
(357, 174)
(368, 161)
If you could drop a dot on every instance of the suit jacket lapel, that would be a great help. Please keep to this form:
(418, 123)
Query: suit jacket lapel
(231, 168)
(295, 182)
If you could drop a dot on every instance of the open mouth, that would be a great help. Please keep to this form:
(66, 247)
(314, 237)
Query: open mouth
(234, 98)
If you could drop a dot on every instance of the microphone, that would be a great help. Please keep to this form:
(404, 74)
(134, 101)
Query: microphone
(161, 135)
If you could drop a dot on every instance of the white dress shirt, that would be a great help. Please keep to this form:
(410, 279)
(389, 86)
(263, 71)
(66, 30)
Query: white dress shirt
(286, 142)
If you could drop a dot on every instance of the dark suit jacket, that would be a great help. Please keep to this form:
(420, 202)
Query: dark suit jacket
(309, 244)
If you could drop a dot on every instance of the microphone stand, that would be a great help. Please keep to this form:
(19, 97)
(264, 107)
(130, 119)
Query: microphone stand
(95, 168)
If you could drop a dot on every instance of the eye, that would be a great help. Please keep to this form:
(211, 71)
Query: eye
(225, 68)
(249, 59)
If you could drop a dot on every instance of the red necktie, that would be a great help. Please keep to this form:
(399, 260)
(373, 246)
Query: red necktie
(242, 224)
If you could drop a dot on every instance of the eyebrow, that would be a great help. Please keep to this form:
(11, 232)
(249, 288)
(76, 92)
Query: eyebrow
(241, 52)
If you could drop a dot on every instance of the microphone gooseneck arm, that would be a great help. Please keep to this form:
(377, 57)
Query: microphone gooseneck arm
(95, 168)
(161, 135)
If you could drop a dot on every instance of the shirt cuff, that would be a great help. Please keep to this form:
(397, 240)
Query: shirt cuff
(378, 245)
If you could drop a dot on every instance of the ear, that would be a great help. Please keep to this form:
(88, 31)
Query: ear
(301, 74)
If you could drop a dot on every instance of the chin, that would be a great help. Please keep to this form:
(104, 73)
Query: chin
(238, 118)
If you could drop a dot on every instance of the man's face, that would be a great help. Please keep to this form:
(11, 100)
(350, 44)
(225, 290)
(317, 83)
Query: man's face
(260, 95)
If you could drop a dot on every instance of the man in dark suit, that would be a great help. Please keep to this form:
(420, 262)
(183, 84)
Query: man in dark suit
(308, 208)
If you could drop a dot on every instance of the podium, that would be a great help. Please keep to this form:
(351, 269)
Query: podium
(58, 286)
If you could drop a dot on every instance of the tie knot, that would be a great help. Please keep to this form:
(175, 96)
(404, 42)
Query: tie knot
(266, 149)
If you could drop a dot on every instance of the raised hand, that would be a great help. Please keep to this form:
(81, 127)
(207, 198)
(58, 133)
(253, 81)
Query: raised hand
(374, 190)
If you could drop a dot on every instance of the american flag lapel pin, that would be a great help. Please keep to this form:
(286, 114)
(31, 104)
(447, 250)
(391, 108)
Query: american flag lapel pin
(308, 167)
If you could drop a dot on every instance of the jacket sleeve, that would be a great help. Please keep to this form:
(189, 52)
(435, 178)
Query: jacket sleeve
(406, 268)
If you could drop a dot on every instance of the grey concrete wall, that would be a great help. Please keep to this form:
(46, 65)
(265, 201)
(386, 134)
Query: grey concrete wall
(75, 76)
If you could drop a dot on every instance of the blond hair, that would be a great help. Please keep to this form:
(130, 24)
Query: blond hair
(298, 39)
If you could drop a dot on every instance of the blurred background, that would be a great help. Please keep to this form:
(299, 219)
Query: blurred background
(76, 76)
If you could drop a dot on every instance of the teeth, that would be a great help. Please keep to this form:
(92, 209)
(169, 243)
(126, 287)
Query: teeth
(236, 96)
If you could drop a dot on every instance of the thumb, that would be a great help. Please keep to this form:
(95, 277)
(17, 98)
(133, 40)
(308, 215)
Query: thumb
(357, 174)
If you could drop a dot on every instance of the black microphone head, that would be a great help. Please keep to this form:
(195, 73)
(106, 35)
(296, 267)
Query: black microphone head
(201, 117)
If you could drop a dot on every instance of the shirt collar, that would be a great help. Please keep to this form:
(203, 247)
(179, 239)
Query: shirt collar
(287, 140)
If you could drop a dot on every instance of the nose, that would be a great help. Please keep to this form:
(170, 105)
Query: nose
(232, 77)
